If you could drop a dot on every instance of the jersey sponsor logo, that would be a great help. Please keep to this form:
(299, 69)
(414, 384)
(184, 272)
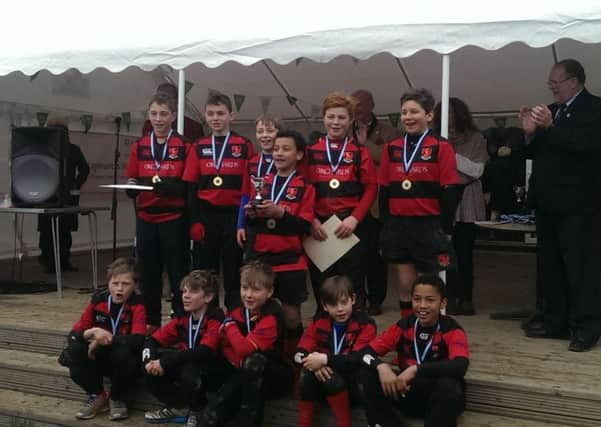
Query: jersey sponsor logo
(368, 359)
(101, 318)
(291, 193)
(426, 153)
(335, 146)
(236, 150)
(207, 151)
(348, 157)
(424, 336)
(145, 354)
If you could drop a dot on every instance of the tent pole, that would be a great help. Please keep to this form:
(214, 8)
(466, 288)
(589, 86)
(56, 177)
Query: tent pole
(181, 100)
(286, 91)
(444, 97)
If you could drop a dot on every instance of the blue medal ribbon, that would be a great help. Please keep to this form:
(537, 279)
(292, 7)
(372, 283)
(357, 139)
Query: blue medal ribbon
(157, 162)
(115, 323)
(192, 340)
(276, 198)
(421, 357)
(217, 161)
(329, 154)
(261, 164)
(407, 163)
(247, 318)
(337, 343)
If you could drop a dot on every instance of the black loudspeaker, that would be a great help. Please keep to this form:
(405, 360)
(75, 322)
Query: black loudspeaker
(38, 166)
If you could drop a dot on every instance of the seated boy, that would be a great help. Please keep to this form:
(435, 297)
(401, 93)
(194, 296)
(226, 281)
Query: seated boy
(252, 345)
(433, 358)
(323, 350)
(186, 366)
(106, 341)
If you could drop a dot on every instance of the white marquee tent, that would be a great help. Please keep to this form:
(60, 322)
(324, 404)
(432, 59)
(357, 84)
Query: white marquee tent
(107, 58)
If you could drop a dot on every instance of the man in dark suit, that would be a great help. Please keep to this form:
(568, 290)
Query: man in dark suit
(564, 140)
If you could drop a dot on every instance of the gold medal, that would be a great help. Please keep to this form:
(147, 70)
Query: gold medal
(217, 181)
(156, 179)
(334, 183)
(271, 223)
(406, 185)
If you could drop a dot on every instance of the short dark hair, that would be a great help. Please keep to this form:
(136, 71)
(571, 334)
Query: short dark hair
(422, 96)
(258, 273)
(122, 265)
(200, 280)
(298, 139)
(161, 98)
(334, 288)
(573, 68)
(219, 99)
(432, 280)
(461, 114)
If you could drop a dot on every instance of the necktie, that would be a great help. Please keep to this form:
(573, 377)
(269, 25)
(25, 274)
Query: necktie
(560, 113)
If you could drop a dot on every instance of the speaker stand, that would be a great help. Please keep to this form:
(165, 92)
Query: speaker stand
(115, 167)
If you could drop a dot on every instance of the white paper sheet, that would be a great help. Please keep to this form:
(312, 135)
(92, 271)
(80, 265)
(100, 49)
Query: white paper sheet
(327, 252)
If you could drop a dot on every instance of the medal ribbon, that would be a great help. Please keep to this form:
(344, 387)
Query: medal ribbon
(247, 318)
(407, 163)
(329, 154)
(157, 163)
(421, 357)
(217, 161)
(192, 340)
(115, 324)
(337, 344)
(261, 164)
(277, 198)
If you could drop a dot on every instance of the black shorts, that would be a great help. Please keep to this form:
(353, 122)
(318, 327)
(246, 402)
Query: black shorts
(415, 240)
(291, 287)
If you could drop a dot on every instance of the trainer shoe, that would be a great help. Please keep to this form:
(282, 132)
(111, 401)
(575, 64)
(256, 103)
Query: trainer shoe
(193, 419)
(166, 415)
(95, 404)
(117, 410)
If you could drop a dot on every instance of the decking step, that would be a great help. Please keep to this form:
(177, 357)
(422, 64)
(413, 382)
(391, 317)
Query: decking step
(29, 410)
(29, 364)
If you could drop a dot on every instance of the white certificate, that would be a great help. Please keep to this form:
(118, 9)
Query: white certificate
(326, 252)
(128, 187)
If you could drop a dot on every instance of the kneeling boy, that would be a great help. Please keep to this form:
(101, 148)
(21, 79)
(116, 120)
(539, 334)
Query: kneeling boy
(186, 365)
(106, 341)
(252, 344)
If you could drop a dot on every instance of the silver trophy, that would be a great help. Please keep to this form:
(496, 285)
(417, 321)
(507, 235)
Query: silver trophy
(258, 183)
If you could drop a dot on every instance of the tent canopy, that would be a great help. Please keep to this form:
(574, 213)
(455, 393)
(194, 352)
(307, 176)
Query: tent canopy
(500, 54)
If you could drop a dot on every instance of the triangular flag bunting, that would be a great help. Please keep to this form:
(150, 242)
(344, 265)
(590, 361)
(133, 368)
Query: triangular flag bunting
(265, 101)
(394, 118)
(238, 101)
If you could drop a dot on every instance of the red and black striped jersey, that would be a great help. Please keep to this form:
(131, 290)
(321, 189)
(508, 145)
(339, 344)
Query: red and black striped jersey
(176, 333)
(434, 167)
(448, 342)
(222, 187)
(278, 242)
(265, 334)
(132, 320)
(141, 165)
(354, 187)
(318, 336)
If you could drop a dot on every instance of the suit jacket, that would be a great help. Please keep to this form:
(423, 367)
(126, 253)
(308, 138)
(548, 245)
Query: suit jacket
(566, 175)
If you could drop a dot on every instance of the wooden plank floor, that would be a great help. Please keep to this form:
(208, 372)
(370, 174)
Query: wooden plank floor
(500, 352)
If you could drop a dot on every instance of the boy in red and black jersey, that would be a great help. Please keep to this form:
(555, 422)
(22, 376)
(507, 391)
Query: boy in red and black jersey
(158, 160)
(186, 363)
(323, 352)
(433, 358)
(277, 226)
(106, 341)
(345, 185)
(252, 345)
(215, 169)
(419, 193)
